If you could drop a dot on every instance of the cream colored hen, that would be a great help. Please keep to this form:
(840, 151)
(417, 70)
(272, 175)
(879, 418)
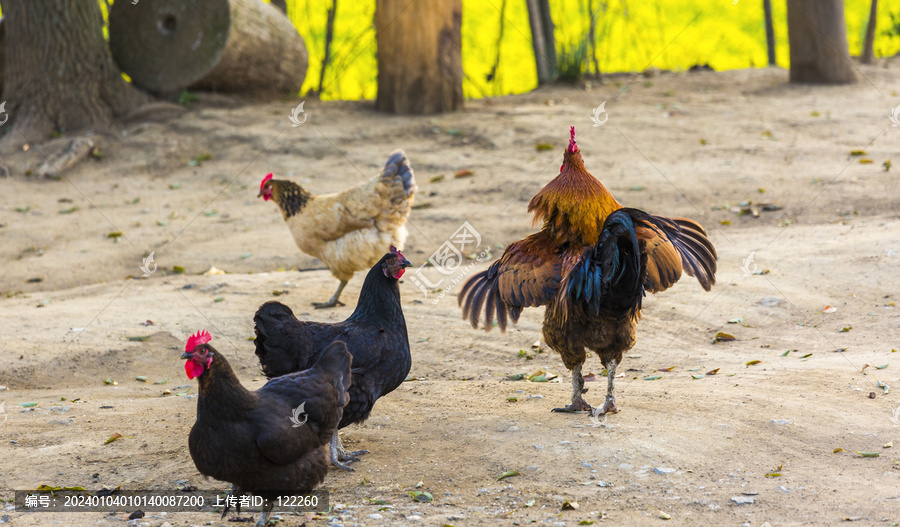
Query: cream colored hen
(348, 231)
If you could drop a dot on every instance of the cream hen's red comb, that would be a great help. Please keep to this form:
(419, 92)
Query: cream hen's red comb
(269, 176)
(200, 337)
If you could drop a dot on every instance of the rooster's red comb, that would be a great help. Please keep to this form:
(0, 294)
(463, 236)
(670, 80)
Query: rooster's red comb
(267, 178)
(200, 337)
(572, 146)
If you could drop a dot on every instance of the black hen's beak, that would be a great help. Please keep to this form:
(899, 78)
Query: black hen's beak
(186, 355)
(405, 263)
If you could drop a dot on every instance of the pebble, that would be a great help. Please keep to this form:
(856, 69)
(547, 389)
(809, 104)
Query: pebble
(783, 489)
(586, 464)
(770, 301)
(781, 422)
(743, 500)
(376, 516)
(535, 397)
(605, 484)
(414, 518)
(538, 447)
(664, 470)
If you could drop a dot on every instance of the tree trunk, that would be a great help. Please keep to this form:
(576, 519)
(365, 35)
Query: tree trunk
(59, 74)
(243, 46)
(868, 54)
(544, 51)
(770, 32)
(817, 34)
(419, 56)
(2, 54)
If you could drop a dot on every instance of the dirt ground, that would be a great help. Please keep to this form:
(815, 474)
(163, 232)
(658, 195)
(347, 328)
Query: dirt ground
(683, 449)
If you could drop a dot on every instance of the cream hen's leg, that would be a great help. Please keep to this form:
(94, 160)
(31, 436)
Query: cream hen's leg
(334, 299)
(609, 407)
(339, 455)
(578, 402)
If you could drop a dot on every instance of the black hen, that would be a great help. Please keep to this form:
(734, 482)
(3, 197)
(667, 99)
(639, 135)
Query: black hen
(375, 335)
(256, 440)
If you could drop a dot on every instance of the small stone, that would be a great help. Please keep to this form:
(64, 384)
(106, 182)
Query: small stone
(376, 516)
(770, 301)
(743, 500)
(538, 447)
(780, 422)
(605, 484)
(783, 489)
(664, 470)
(626, 466)
(414, 518)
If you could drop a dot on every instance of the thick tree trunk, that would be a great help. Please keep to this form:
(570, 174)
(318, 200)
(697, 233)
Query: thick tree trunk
(419, 56)
(237, 46)
(817, 34)
(59, 75)
(868, 54)
(770, 32)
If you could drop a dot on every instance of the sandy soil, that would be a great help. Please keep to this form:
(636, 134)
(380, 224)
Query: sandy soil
(695, 145)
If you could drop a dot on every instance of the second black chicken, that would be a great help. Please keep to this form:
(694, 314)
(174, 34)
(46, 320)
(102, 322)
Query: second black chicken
(375, 335)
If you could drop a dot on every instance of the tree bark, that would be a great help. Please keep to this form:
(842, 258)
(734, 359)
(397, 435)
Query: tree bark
(546, 70)
(419, 56)
(770, 32)
(59, 74)
(817, 34)
(2, 53)
(868, 54)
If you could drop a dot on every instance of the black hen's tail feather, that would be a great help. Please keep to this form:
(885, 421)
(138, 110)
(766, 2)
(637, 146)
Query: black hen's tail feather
(337, 360)
(277, 346)
(609, 276)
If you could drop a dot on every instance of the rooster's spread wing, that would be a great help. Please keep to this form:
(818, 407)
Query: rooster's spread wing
(527, 275)
(673, 245)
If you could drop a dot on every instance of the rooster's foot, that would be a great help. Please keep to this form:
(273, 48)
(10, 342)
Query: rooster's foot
(609, 407)
(578, 405)
(326, 305)
(351, 456)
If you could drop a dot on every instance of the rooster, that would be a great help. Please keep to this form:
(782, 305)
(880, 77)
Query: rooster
(251, 439)
(590, 265)
(375, 335)
(347, 231)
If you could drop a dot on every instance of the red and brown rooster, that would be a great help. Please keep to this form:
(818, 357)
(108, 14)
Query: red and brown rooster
(590, 265)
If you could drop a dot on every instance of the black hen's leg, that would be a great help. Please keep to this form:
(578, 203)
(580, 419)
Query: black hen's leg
(339, 455)
(334, 299)
(578, 402)
(264, 515)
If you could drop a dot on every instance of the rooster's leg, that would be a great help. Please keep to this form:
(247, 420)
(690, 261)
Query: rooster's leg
(338, 454)
(609, 407)
(264, 515)
(578, 402)
(334, 299)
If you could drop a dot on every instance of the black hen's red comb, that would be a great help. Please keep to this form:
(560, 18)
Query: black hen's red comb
(200, 337)
(396, 251)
